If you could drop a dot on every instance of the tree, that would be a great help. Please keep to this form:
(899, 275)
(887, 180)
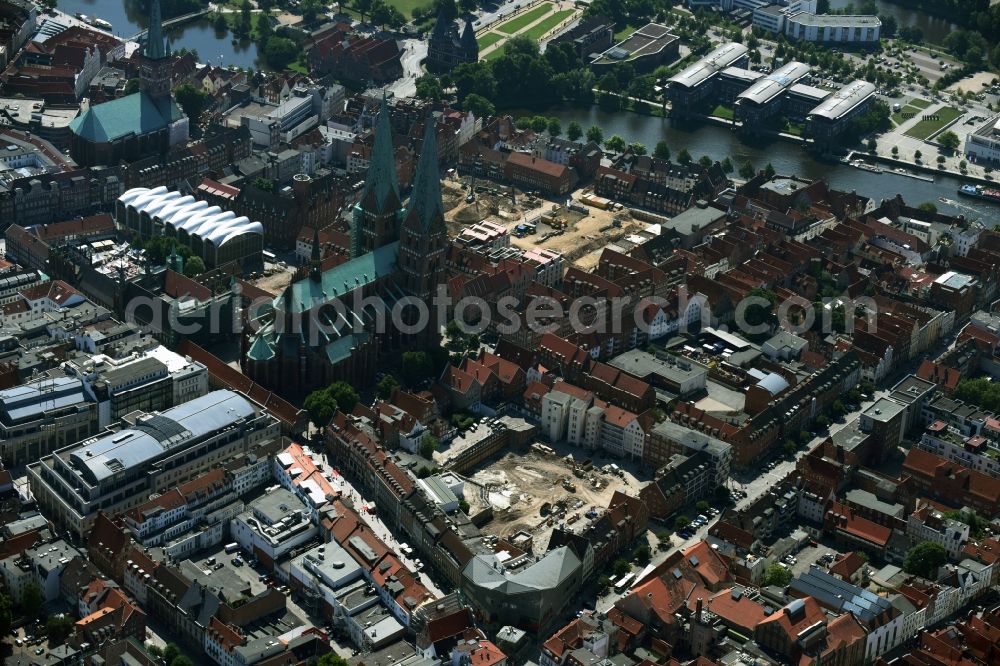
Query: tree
(872, 145)
(244, 21)
(554, 127)
(574, 131)
(363, 7)
(663, 537)
(264, 28)
(948, 140)
(539, 124)
(928, 206)
(769, 171)
(131, 86)
(428, 445)
(615, 144)
(181, 661)
(58, 627)
(424, 472)
(727, 165)
(595, 134)
(478, 105)
(790, 446)
(191, 99)
(777, 575)
(684, 157)
(331, 659)
(344, 395)
(446, 9)
(637, 148)
(603, 583)
(924, 559)
(428, 87)
(621, 567)
(702, 506)
(310, 10)
(641, 554)
(417, 366)
(194, 266)
(220, 24)
(280, 52)
(321, 406)
(464, 507)
(822, 422)
(917, 155)
(705, 161)
(386, 386)
(170, 653)
(662, 150)
(747, 171)
(680, 522)
(263, 184)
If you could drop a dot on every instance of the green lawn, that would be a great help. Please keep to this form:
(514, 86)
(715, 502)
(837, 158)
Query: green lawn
(515, 24)
(722, 111)
(926, 128)
(625, 32)
(489, 39)
(919, 103)
(538, 30)
(905, 114)
(495, 53)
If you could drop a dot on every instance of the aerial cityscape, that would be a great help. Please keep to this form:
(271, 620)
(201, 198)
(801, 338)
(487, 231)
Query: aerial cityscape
(500, 333)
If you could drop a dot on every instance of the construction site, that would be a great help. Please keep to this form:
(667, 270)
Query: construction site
(539, 491)
(579, 228)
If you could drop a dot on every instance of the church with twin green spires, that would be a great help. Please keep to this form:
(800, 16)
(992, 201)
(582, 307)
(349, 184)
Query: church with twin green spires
(139, 125)
(318, 331)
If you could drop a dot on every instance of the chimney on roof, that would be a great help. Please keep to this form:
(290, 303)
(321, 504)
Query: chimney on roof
(698, 606)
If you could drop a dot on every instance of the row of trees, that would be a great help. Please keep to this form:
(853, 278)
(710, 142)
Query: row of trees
(980, 392)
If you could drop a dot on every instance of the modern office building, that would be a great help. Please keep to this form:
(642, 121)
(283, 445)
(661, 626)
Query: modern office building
(217, 236)
(983, 145)
(834, 28)
(645, 49)
(832, 116)
(44, 415)
(696, 83)
(763, 99)
(153, 452)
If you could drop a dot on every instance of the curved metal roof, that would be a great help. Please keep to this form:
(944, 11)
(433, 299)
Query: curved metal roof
(772, 85)
(156, 434)
(196, 217)
(717, 60)
(845, 99)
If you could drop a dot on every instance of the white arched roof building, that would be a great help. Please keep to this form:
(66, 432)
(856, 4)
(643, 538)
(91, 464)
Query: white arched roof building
(216, 235)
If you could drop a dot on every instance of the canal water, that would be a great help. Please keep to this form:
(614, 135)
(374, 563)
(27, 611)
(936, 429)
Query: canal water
(127, 18)
(935, 28)
(787, 158)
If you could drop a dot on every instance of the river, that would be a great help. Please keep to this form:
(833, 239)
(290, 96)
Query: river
(935, 28)
(128, 18)
(787, 158)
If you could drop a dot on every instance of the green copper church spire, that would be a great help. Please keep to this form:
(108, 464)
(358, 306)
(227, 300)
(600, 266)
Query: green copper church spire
(425, 200)
(156, 43)
(381, 179)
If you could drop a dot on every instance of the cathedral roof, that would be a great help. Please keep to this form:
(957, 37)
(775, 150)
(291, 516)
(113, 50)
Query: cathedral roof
(137, 114)
(340, 280)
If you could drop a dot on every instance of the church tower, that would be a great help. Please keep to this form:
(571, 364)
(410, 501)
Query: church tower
(154, 73)
(423, 238)
(376, 216)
